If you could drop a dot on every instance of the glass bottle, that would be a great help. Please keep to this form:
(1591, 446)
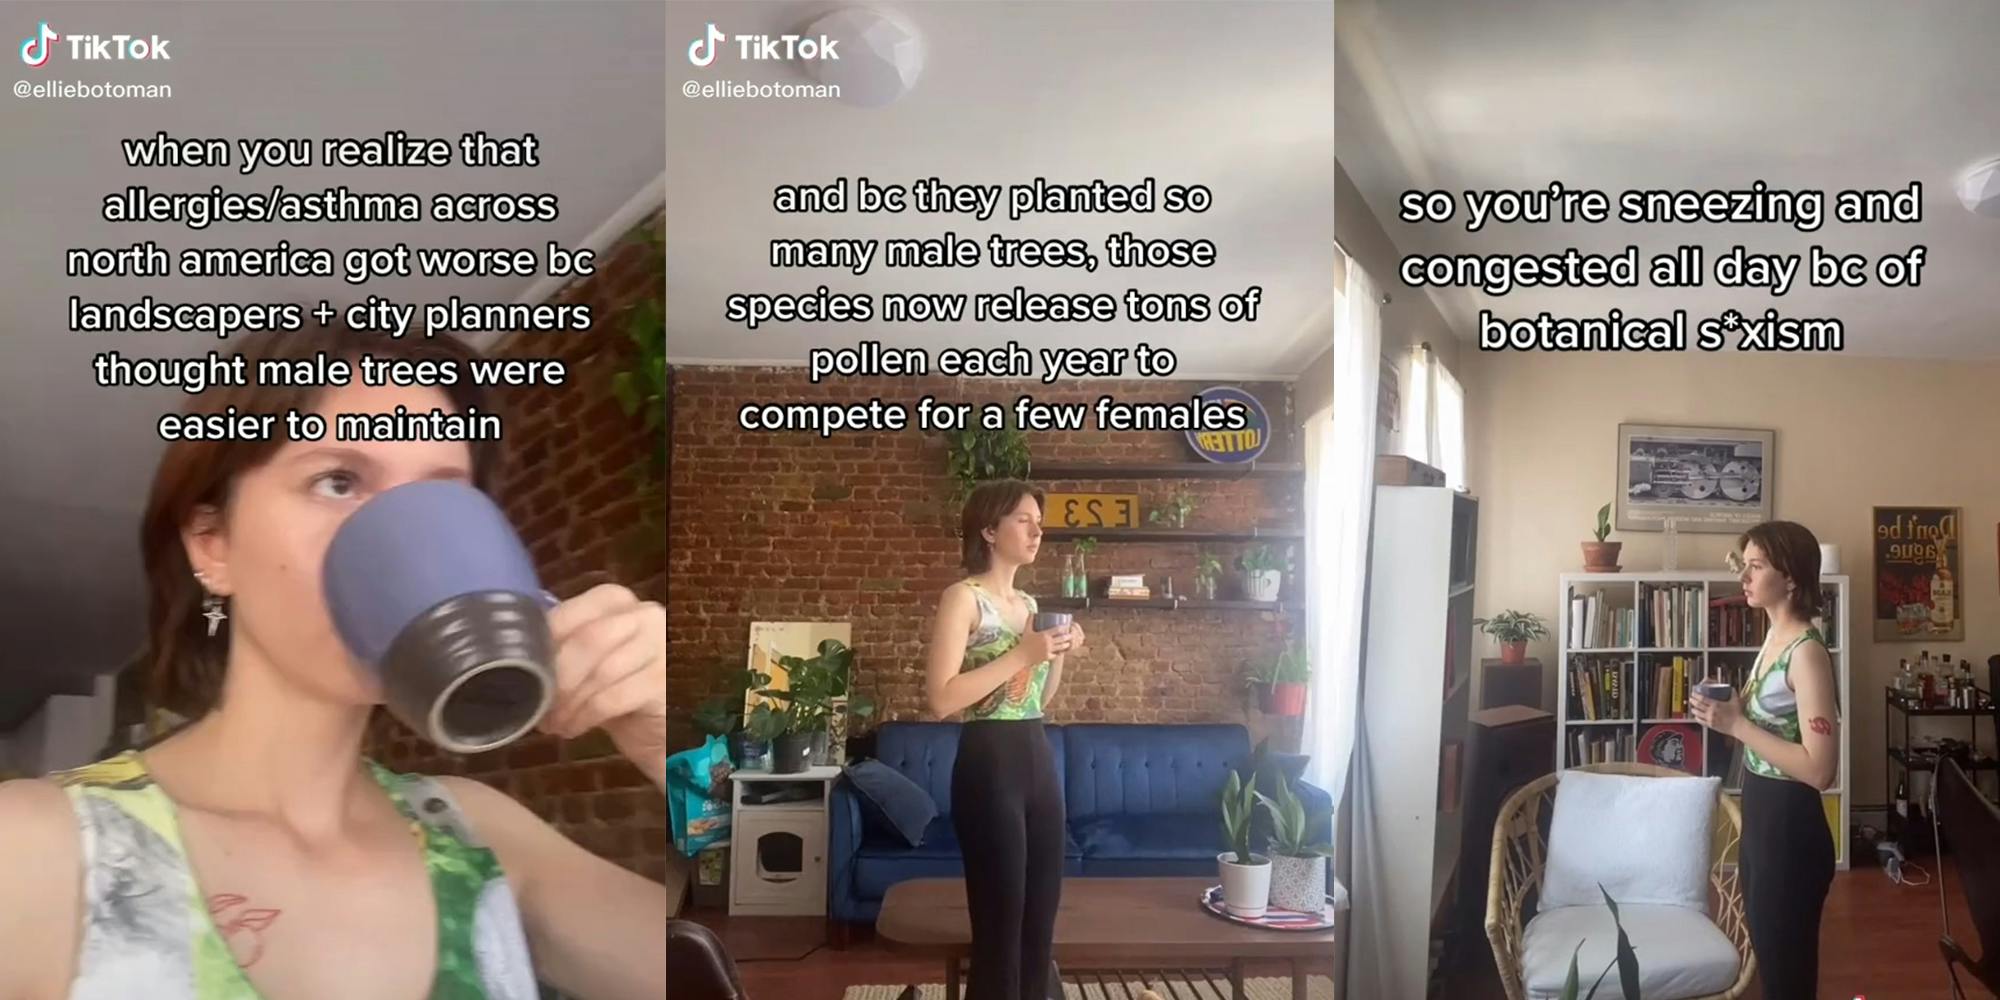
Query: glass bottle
(1069, 576)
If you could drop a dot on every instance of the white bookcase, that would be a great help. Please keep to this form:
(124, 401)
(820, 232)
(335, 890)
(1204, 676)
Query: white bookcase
(1416, 693)
(1610, 641)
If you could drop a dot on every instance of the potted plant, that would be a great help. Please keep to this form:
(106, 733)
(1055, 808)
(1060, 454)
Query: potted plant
(1298, 861)
(813, 686)
(1625, 960)
(1288, 688)
(1263, 572)
(1259, 677)
(1513, 630)
(1206, 572)
(1601, 556)
(1175, 512)
(1246, 877)
(724, 716)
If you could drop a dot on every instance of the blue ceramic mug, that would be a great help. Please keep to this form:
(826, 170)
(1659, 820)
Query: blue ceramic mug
(430, 587)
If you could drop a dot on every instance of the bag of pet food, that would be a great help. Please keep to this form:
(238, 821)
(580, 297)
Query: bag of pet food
(698, 795)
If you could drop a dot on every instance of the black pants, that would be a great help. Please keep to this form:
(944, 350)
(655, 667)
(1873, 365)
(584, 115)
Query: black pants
(1008, 812)
(1787, 867)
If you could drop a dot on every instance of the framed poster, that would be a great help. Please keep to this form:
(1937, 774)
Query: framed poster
(1708, 479)
(1916, 575)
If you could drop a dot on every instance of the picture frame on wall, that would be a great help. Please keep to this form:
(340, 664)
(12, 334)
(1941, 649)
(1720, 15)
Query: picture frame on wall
(1708, 480)
(1917, 569)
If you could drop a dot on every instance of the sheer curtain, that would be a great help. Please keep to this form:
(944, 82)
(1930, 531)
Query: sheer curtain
(1340, 480)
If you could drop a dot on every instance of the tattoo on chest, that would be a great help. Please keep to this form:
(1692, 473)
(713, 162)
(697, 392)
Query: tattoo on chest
(242, 926)
(1821, 726)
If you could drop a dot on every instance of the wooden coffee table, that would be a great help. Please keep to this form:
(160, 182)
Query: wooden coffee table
(1107, 923)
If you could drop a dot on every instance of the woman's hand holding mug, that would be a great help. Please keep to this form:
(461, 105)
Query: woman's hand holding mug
(1047, 644)
(611, 671)
(1712, 703)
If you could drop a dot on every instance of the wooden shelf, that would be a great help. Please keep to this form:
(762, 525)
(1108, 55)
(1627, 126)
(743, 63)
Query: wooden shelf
(1173, 535)
(1163, 470)
(1164, 604)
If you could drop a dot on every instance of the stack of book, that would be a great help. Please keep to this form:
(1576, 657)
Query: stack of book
(1131, 587)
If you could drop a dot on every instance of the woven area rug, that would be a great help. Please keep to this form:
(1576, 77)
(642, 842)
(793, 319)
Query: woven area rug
(1116, 987)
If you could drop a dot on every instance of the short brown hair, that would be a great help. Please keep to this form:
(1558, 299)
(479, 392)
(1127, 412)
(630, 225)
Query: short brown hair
(183, 666)
(1793, 551)
(990, 502)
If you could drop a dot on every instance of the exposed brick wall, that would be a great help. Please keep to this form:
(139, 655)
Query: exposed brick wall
(861, 528)
(569, 488)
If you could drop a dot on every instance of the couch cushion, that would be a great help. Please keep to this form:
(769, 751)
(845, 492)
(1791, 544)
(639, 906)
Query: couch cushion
(925, 753)
(893, 799)
(1147, 770)
(1681, 954)
(1645, 839)
(940, 841)
(1152, 838)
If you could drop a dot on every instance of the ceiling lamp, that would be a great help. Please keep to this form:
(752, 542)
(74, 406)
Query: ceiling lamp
(879, 56)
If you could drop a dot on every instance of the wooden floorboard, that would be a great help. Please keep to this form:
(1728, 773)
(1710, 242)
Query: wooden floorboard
(1877, 940)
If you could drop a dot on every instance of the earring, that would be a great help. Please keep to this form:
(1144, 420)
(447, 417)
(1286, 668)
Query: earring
(212, 610)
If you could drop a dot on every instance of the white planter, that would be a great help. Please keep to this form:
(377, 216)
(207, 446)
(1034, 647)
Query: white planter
(1263, 586)
(1246, 889)
(1298, 883)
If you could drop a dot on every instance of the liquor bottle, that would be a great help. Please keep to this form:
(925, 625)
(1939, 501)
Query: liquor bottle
(1943, 612)
(1904, 681)
(1902, 798)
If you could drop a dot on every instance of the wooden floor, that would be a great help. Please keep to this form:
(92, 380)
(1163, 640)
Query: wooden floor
(1877, 940)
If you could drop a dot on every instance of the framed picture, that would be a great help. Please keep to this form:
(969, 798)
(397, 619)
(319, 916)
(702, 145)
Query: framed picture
(1916, 575)
(1708, 479)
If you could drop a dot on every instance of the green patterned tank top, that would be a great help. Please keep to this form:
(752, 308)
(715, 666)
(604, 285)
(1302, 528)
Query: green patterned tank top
(149, 932)
(992, 638)
(1771, 705)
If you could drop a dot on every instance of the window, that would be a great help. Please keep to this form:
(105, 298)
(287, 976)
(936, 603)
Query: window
(1433, 424)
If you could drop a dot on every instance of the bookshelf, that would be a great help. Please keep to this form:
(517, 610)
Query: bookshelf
(1416, 698)
(1620, 687)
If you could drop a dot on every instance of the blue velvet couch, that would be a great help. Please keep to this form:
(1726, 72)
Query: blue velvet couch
(1140, 800)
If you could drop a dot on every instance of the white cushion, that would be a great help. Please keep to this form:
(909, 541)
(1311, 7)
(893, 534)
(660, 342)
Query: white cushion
(1646, 840)
(1681, 954)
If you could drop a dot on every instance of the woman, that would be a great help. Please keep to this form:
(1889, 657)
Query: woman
(1788, 722)
(987, 661)
(254, 853)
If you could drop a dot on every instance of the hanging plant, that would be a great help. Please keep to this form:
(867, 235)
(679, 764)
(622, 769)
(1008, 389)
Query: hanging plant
(974, 456)
(640, 387)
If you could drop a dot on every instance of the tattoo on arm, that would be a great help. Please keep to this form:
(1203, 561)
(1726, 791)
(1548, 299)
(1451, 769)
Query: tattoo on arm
(1820, 725)
(241, 929)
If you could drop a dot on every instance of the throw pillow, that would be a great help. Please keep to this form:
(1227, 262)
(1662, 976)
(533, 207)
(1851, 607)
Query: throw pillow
(901, 803)
(1646, 840)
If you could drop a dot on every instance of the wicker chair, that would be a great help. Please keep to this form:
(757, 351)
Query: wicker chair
(1520, 844)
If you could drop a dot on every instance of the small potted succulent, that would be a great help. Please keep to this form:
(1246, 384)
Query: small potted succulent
(1298, 860)
(1601, 556)
(1263, 573)
(1513, 630)
(1246, 877)
(1288, 687)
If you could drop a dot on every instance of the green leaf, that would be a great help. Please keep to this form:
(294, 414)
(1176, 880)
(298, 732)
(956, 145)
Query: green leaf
(1569, 984)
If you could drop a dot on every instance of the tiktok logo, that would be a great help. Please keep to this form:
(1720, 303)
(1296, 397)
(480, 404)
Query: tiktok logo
(37, 49)
(701, 51)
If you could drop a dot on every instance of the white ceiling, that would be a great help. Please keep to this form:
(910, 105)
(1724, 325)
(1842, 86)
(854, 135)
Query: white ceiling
(1237, 96)
(584, 77)
(1462, 95)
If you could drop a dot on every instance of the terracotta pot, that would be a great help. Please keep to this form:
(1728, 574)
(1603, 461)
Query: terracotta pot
(1601, 557)
(1513, 654)
(1288, 699)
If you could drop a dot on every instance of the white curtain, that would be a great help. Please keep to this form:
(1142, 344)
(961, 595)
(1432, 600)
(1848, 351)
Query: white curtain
(1340, 459)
